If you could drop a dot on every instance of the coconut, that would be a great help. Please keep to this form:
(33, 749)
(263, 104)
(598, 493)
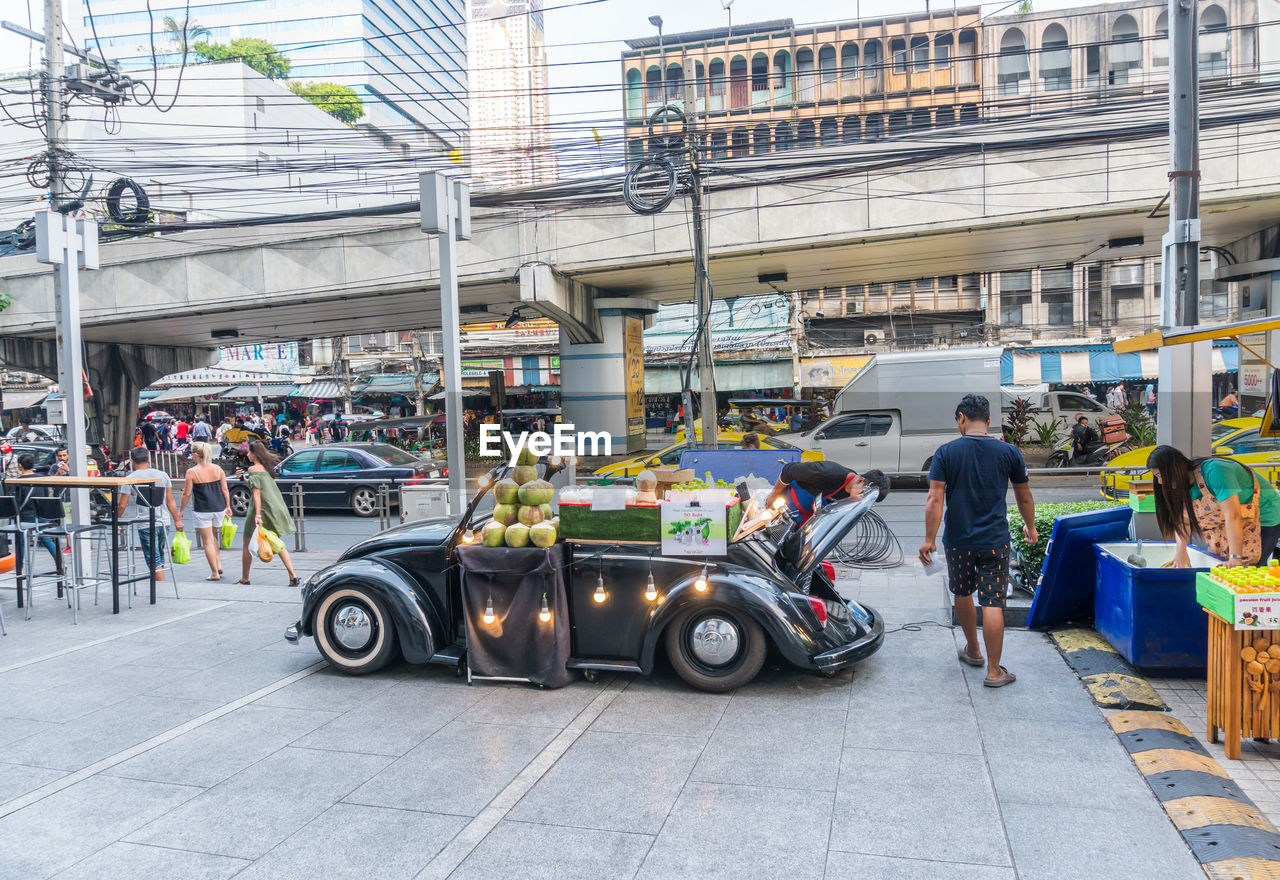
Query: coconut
(544, 535)
(536, 492)
(526, 473)
(505, 513)
(506, 491)
(493, 533)
(517, 535)
(526, 456)
(531, 515)
(547, 512)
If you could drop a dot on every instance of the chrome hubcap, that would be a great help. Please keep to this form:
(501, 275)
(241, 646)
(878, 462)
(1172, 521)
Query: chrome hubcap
(715, 641)
(364, 501)
(352, 627)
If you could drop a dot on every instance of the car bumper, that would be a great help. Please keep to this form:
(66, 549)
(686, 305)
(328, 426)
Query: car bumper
(849, 654)
(291, 634)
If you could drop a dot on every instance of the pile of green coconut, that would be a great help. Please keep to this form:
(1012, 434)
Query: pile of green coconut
(522, 514)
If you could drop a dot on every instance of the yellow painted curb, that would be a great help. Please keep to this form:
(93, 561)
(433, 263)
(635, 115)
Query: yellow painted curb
(1159, 761)
(1199, 811)
(1113, 687)
(1243, 869)
(1137, 719)
(1069, 640)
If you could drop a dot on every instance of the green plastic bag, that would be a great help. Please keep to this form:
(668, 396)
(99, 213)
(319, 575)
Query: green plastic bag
(272, 539)
(228, 532)
(180, 548)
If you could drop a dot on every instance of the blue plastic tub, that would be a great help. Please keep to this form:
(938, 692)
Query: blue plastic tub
(1150, 615)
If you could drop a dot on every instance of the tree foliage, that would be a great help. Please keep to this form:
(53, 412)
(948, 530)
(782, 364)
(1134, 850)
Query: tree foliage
(339, 101)
(184, 33)
(255, 53)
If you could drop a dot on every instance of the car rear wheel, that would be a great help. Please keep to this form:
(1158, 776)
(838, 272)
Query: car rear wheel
(364, 502)
(240, 500)
(353, 631)
(715, 649)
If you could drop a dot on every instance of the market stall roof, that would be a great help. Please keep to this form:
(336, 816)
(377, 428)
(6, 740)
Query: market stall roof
(750, 402)
(742, 376)
(398, 423)
(240, 392)
(190, 392)
(466, 392)
(1161, 338)
(1082, 364)
(147, 394)
(400, 383)
(322, 389)
(23, 399)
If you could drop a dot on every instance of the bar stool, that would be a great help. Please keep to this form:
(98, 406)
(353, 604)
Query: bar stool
(51, 522)
(27, 530)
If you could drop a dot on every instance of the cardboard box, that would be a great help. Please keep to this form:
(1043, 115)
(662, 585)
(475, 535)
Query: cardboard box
(667, 479)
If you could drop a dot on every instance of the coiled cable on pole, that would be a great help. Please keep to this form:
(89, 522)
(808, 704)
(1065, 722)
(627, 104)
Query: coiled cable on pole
(869, 544)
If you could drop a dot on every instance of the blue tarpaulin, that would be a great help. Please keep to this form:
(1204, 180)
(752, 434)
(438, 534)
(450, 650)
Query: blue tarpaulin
(1105, 365)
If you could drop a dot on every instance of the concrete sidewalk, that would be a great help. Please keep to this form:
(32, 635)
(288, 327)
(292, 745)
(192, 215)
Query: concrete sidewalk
(189, 740)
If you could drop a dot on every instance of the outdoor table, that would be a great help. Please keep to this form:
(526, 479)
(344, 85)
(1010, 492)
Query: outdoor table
(70, 482)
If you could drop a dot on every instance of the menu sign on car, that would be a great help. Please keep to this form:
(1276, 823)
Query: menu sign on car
(690, 528)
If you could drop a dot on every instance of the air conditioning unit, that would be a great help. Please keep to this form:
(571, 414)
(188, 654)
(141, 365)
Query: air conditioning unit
(377, 341)
(857, 307)
(871, 339)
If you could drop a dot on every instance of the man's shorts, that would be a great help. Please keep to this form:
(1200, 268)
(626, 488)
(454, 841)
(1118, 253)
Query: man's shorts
(981, 570)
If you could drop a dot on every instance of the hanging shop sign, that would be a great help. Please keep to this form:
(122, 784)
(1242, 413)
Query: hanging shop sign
(633, 358)
(832, 372)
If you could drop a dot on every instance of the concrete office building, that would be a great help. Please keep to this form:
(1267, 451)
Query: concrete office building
(407, 61)
(510, 112)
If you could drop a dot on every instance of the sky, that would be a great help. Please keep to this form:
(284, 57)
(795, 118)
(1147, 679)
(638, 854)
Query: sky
(584, 42)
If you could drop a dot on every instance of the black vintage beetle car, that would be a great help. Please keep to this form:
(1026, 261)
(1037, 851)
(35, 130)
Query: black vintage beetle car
(399, 592)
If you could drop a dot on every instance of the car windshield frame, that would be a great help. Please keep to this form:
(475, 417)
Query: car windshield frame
(377, 451)
(1226, 431)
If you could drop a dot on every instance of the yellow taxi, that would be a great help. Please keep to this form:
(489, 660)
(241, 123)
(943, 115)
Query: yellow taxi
(668, 458)
(1237, 438)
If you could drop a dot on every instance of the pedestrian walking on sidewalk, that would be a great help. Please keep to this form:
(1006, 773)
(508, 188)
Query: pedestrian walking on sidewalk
(972, 475)
(267, 508)
(207, 484)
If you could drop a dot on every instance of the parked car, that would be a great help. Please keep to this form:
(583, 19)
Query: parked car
(668, 458)
(1237, 438)
(43, 452)
(342, 475)
(35, 433)
(399, 594)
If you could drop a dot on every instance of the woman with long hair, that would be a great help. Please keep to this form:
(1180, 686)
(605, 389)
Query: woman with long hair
(266, 510)
(1222, 500)
(207, 484)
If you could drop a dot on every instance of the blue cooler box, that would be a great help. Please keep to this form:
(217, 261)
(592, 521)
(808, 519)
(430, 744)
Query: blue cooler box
(1150, 615)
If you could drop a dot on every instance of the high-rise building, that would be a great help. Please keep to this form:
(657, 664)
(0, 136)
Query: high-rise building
(510, 126)
(407, 61)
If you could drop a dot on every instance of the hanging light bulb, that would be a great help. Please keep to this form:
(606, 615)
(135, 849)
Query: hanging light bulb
(599, 595)
(545, 614)
(484, 480)
(650, 589)
(701, 583)
(488, 611)
(468, 537)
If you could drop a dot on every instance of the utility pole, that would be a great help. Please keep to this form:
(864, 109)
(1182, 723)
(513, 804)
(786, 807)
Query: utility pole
(795, 343)
(702, 295)
(53, 101)
(446, 213)
(1186, 371)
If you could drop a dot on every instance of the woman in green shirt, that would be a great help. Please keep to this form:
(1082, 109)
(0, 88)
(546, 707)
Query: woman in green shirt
(266, 510)
(1233, 523)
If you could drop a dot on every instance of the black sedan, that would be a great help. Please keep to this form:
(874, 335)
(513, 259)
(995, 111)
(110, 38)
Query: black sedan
(343, 476)
(45, 454)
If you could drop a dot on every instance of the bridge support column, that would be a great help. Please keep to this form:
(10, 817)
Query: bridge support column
(117, 373)
(602, 383)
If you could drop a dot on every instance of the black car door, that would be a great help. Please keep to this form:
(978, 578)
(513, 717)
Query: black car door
(339, 470)
(298, 469)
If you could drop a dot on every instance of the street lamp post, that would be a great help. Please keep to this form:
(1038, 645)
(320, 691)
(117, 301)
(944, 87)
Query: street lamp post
(656, 21)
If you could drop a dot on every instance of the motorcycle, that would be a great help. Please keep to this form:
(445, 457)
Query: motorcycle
(1098, 454)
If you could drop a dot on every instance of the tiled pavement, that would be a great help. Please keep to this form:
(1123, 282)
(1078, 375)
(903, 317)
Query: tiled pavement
(189, 740)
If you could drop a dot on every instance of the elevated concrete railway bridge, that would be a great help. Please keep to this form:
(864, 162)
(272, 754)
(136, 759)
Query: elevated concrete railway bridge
(969, 199)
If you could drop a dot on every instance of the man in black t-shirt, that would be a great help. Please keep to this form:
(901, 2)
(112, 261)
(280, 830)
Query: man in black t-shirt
(1084, 439)
(972, 474)
(802, 483)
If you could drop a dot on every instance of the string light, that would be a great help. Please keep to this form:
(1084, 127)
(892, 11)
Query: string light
(651, 590)
(600, 595)
(468, 537)
(489, 616)
(484, 480)
(545, 614)
(701, 583)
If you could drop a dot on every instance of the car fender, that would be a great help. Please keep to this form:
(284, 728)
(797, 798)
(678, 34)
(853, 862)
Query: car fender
(764, 599)
(417, 624)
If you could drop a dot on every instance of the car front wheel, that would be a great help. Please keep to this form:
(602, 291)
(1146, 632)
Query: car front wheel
(364, 502)
(240, 500)
(715, 649)
(353, 631)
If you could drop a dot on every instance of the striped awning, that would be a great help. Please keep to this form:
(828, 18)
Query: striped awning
(1083, 364)
(249, 392)
(322, 389)
(23, 399)
(189, 393)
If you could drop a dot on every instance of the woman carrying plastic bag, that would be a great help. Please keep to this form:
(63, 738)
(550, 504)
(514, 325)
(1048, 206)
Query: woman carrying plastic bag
(206, 491)
(267, 512)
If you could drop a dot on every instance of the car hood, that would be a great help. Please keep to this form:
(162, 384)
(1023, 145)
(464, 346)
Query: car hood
(806, 547)
(432, 531)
